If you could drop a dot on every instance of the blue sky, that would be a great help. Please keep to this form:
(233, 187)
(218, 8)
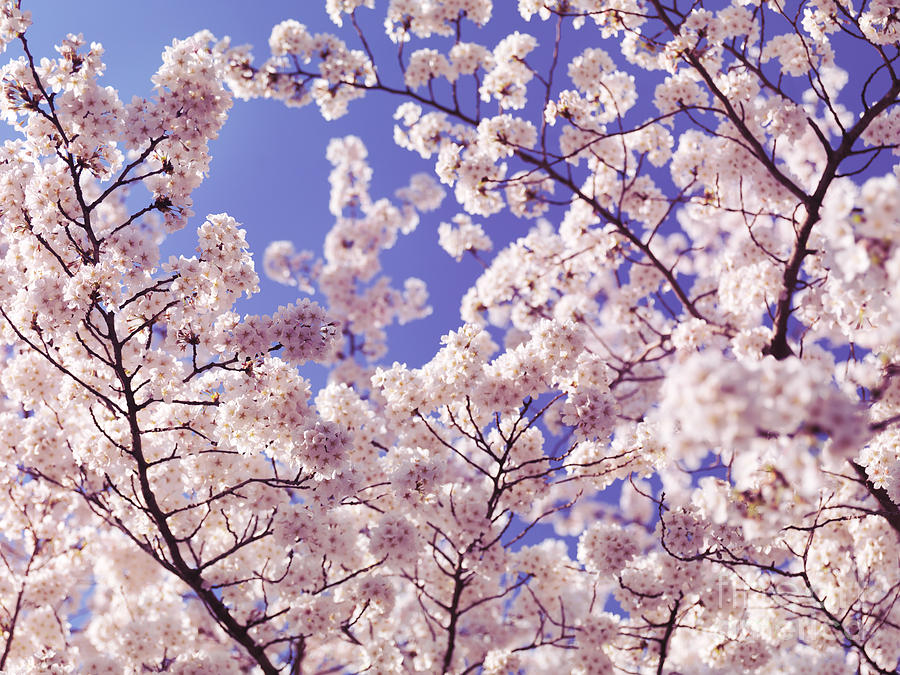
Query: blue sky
(269, 169)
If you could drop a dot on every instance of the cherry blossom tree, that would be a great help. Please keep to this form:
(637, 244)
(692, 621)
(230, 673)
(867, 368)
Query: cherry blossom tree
(663, 436)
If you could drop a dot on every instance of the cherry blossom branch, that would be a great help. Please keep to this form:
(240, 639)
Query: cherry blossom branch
(778, 347)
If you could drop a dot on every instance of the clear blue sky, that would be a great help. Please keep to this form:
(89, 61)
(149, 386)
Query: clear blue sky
(269, 169)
